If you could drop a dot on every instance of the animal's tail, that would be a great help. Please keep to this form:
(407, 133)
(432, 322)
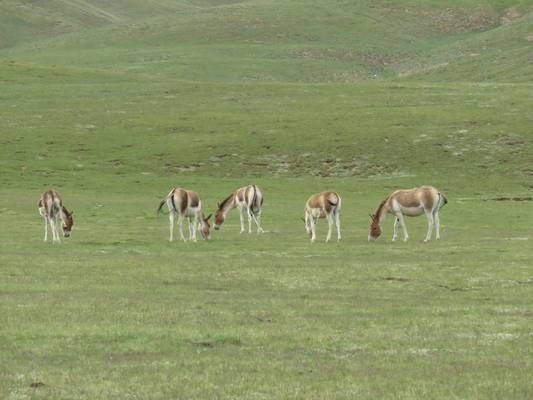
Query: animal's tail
(444, 200)
(254, 206)
(171, 196)
(161, 205)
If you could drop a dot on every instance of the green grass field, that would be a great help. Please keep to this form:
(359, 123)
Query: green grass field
(114, 104)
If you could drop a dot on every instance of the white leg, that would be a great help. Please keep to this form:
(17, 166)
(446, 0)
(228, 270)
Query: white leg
(193, 223)
(429, 216)
(257, 220)
(437, 225)
(330, 224)
(171, 226)
(338, 223)
(312, 224)
(241, 215)
(394, 228)
(404, 228)
(189, 227)
(249, 212)
(45, 230)
(180, 227)
(53, 229)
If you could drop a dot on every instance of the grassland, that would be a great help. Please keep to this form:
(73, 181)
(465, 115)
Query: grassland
(114, 104)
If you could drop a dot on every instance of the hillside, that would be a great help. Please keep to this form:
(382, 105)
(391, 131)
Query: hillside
(289, 41)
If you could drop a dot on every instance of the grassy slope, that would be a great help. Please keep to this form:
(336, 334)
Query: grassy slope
(213, 94)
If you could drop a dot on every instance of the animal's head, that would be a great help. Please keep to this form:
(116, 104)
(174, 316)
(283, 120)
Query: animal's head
(219, 217)
(375, 230)
(204, 226)
(68, 222)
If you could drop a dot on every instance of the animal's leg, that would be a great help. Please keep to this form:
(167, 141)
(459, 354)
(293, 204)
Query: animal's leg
(171, 226)
(394, 227)
(429, 216)
(241, 216)
(338, 223)
(330, 224)
(312, 223)
(437, 225)
(404, 228)
(180, 227)
(250, 217)
(45, 230)
(257, 220)
(193, 224)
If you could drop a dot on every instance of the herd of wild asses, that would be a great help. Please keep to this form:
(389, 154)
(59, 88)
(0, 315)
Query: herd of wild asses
(186, 204)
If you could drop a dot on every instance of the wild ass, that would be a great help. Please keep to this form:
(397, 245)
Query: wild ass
(409, 202)
(185, 203)
(323, 205)
(247, 199)
(53, 212)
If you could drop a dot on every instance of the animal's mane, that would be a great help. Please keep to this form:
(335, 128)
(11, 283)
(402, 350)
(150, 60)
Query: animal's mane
(225, 201)
(380, 207)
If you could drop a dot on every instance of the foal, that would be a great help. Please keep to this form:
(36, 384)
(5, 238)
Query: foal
(323, 205)
(53, 212)
(186, 204)
(247, 199)
(409, 202)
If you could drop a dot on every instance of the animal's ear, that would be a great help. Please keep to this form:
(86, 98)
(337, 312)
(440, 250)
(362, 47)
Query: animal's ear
(218, 204)
(372, 217)
(207, 219)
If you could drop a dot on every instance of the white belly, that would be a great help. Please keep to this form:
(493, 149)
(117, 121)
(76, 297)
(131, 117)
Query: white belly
(412, 211)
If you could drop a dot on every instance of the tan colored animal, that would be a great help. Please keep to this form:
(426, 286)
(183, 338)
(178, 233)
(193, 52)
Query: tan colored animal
(183, 203)
(323, 205)
(249, 200)
(53, 212)
(409, 202)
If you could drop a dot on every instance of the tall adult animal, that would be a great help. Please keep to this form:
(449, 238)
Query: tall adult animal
(323, 205)
(183, 203)
(249, 201)
(55, 214)
(409, 202)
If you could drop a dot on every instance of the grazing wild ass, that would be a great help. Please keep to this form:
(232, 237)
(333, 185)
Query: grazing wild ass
(53, 212)
(409, 202)
(323, 205)
(247, 199)
(184, 203)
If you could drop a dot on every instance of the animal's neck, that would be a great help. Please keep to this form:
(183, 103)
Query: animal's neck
(381, 211)
(228, 205)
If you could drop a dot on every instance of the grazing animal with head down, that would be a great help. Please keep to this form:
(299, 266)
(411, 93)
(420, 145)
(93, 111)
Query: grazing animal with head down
(249, 200)
(323, 205)
(183, 203)
(54, 213)
(409, 202)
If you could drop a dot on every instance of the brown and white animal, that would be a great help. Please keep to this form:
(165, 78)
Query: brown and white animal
(183, 203)
(409, 202)
(323, 205)
(54, 213)
(249, 200)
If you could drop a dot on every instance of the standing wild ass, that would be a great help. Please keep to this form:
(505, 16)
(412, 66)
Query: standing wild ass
(186, 204)
(323, 205)
(411, 203)
(53, 212)
(247, 199)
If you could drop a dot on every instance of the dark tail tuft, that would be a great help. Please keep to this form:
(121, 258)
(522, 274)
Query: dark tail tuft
(161, 205)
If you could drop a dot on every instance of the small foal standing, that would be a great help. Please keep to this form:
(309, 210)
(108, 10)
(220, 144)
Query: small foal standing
(247, 199)
(409, 202)
(323, 205)
(53, 212)
(185, 203)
